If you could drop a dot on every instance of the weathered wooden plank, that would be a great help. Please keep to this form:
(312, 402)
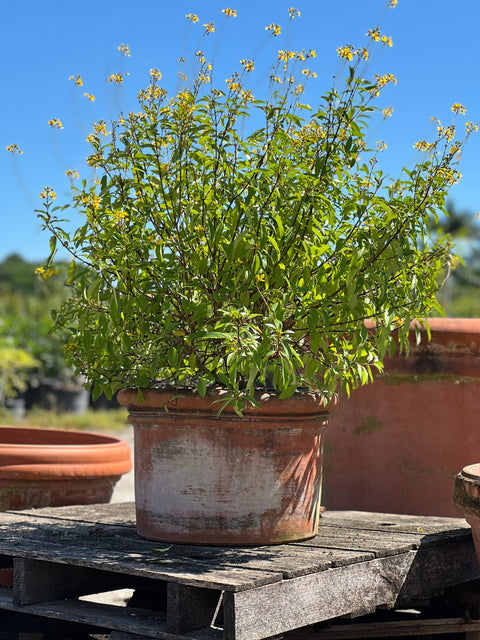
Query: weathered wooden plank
(436, 568)
(189, 609)
(37, 581)
(358, 589)
(272, 610)
(395, 523)
(401, 628)
(289, 560)
(378, 543)
(121, 514)
(125, 619)
(119, 549)
(185, 571)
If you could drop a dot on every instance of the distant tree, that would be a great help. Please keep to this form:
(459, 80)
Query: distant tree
(17, 275)
(460, 295)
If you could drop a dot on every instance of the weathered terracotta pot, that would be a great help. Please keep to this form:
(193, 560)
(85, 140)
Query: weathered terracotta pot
(226, 480)
(396, 445)
(466, 497)
(52, 467)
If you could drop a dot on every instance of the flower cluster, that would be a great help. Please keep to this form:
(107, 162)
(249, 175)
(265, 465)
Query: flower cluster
(77, 80)
(55, 122)
(14, 148)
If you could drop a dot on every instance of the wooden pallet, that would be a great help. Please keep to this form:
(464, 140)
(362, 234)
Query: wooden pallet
(357, 563)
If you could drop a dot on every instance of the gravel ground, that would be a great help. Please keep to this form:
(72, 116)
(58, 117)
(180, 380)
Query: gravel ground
(124, 489)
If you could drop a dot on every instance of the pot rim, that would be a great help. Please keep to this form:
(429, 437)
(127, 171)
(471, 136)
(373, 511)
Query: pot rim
(187, 399)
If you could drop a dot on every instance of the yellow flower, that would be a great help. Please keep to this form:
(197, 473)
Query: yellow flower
(346, 52)
(469, 127)
(48, 194)
(299, 89)
(364, 53)
(230, 13)
(381, 145)
(73, 175)
(293, 12)
(275, 29)
(247, 65)
(451, 176)
(424, 146)
(155, 74)
(192, 17)
(77, 79)
(392, 4)
(118, 216)
(374, 34)
(116, 78)
(233, 83)
(247, 96)
(382, 81)
(458, 108)
(13, 148)
(124, 50)
(387, 112)
(286, 55)
(387, 40)
(446, 132)
(55, 122)
(209, 27)
(46, 273)
(100, 127)
(90, 97)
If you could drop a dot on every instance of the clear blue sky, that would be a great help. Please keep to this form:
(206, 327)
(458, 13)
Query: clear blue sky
(434, 57)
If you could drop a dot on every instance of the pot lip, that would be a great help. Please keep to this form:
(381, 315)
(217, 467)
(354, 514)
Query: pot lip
(452, 335)
(53, 438)
(472, 471)
(160, 397)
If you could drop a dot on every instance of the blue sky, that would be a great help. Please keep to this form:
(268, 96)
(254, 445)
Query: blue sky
(434, 58)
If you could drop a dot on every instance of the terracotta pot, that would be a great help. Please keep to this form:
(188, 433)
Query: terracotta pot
(51, 467)
(466, 497)
(396, 445)
(226, 480)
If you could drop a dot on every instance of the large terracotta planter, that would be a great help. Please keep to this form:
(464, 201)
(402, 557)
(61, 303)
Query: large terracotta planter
(466, 497)
(51, 467)
(396, 445)
(226, 480)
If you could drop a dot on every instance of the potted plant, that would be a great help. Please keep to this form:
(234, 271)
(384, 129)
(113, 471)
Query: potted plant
(232, 248)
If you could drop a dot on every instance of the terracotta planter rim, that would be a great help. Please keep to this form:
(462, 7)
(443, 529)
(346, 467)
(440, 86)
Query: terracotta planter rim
(472, 471)
(30, 452)
(188, 400)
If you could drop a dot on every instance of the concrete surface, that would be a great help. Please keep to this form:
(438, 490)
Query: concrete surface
(125, 488)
